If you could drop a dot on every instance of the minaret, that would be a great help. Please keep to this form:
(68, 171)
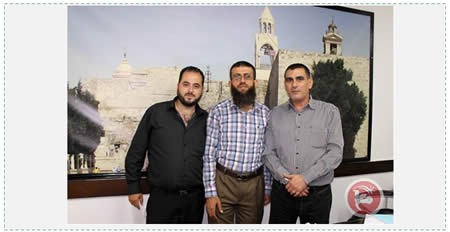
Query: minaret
(265, 40)
(332, 41)
(208, 77)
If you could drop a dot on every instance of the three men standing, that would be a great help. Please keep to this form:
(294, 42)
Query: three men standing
(172, 134)
(236, 183)
(304, 145)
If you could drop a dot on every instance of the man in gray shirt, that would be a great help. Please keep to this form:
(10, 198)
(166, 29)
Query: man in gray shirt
(303, 146)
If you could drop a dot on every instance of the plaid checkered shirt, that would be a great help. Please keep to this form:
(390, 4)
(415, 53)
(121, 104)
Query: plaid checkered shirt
(234, 139)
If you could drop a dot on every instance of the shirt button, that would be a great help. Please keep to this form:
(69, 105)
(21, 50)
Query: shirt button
(297, 153)
(299, 114)
(298, 139)
(296, 167)
(298, 126)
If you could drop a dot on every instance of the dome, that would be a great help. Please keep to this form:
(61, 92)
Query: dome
(124, 69)
(332, 28)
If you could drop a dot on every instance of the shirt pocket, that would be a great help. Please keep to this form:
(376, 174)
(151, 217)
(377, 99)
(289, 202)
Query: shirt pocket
(256, 132)
(318, 137)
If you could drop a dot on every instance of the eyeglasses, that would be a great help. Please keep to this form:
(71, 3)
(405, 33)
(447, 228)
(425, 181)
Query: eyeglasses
(238, 77)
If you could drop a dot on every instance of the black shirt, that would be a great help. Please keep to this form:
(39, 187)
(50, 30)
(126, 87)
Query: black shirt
(175, 151)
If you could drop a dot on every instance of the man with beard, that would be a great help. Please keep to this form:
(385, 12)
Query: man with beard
(236, 183)
(172, 135)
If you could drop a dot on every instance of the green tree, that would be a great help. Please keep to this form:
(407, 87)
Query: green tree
(84, 126)
(333, 83)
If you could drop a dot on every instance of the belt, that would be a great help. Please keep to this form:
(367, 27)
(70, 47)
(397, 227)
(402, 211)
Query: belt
(240, 175)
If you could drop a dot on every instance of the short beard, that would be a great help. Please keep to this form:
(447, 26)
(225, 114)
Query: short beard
(243, 99)
(186, 103)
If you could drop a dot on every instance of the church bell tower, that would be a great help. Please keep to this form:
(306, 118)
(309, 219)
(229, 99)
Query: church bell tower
(266, 42)
(332, 41)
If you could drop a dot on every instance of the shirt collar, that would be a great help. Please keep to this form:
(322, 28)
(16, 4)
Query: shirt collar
(312, 103)
(256, 107)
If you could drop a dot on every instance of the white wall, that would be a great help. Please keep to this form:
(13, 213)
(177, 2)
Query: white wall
(117, 209)
(383, 82)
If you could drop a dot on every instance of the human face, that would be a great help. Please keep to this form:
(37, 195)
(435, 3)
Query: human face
(190, 89)
(242, 78)
(298, 84)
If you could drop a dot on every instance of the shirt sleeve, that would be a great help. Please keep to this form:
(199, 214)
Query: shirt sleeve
(333, 156)
(270, 156)
(135, 158)
(267, 181)
(210, 156)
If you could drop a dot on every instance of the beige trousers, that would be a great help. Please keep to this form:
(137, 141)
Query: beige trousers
(242, 200)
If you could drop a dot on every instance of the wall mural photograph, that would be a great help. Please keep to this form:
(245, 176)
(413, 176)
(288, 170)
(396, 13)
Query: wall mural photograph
(123, 59)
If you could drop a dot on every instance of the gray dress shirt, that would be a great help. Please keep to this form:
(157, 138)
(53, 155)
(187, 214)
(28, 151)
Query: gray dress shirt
(308, 142)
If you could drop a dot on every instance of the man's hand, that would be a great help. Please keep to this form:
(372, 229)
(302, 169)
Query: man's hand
(211, 204)
(136, 200)
(303, 194)
(266, 199)
(296, 186)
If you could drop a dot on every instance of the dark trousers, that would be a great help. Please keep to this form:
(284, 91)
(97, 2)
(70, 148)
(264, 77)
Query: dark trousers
(175, 207)
(314, 208)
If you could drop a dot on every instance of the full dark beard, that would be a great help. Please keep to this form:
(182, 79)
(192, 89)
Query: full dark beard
(186, 103)
(243, 99)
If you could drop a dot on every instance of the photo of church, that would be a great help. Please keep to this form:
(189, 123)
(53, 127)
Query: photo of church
(129, 90)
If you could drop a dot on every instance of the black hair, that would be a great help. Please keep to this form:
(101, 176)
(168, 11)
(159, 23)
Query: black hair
(243, 64)
(296, 66)
(192, 69)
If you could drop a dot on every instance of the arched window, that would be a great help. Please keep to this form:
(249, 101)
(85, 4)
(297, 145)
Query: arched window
(266, 54)
(265, 28)
(270, 28)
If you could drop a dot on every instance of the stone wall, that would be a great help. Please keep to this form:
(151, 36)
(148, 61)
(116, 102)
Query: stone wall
(263, 74)
(123, 101)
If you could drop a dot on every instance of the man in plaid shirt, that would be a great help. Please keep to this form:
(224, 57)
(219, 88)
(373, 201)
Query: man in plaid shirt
(237, 184)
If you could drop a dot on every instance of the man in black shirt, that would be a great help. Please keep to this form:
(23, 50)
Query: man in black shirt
(172, 134)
